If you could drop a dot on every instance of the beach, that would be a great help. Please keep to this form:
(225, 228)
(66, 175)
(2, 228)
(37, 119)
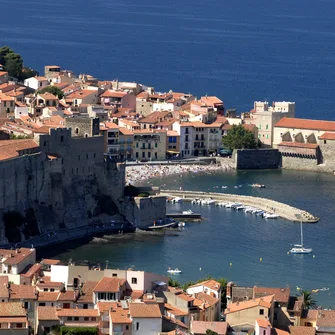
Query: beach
(139, 173)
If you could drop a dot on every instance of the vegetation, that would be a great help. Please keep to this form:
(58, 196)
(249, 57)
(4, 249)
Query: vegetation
(13, 64)
(211, 332)
(53, 90)
(174, 282)
(18, 137)
(239, 138)
(309, 302)
(78, 331)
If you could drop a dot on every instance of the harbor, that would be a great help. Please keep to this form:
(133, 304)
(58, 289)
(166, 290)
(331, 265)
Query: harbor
(269, 206)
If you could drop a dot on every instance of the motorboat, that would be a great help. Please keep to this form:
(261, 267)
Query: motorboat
(258, 185)
(299, 248)
(181, 224)
(236, 204)
(187, 212)
(237, 208)
(229, 205)
(174, 271)
(260, 213)
(270, 216)
(249, 209)
(176, 200)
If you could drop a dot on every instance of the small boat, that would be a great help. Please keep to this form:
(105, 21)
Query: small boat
(260, 212)
(299, 248)
(176, 200)
(258, 185)
(187, 212)
(249, 209)
(237, 208)
(315, 291)
(298, 288)
(270, 216)
(174, 271)
(229, 205)
(324, 289)
(181, 224)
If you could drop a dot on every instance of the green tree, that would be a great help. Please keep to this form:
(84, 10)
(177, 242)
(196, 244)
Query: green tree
(173, 282)
(4, 51)
(28, 72)
(211, 332)
(239, 138)
(309, 302)
(13, 65)
(53, 90)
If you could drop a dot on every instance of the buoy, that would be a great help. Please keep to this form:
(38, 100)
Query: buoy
(313, 256)
(230, 264)
(199, 269)
(261, 259)
(288, 252)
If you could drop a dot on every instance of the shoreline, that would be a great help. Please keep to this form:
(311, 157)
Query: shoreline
(140, 173)
(283, 210)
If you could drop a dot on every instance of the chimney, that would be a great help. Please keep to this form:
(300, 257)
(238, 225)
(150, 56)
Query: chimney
(229, 290)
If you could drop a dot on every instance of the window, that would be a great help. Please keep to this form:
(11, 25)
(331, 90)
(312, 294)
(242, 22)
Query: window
(267, 135)
(267, 127)
(136, 144)
(264, 332)
(149, 145)
(26, 304)
(66, 305)
(137, 326)
(76, 318)
(47, 330)
(86, 318)
(149, 154)
(127, 327)
(324, 142)
(94, 155)
(69, 318)
(62, 138)
(45, 290)
(86, 156)
(94, 319)
(19, 325)
(136, 154)
(156, 155)
(134, 280)
(143, 154)
(85, 306)
(261, 312)
(41, 304)
(114, 275)
(45, 143)
(156, 145)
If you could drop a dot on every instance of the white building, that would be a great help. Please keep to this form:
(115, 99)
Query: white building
(37, 83)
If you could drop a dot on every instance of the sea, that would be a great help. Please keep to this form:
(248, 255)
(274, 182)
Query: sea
(240, 51)
(240, 247)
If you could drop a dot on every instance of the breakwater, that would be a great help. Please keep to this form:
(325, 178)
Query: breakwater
(283, 210)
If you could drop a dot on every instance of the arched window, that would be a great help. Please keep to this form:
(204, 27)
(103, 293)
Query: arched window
(77, 130)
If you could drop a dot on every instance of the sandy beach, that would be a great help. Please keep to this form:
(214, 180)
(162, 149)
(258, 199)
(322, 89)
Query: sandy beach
(136, 174)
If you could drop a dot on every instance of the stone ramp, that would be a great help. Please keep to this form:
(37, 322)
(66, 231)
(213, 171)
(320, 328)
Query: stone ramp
(283, 210)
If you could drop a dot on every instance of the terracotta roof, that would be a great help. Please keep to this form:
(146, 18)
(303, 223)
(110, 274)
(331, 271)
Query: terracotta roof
(120, 315)
(3, 73)
(12, 309)
(125, 131)
(50, 261)
(154, 117)
(5, 97)
(113, 94)
(263, 323)
(4, 293)
(326, 319)
(77, 312)
(206, 298)
(299, 145)
(80, 94)
(185, 297)
(136, 294)
(15, 320)
(211, 283)
(172, 133)
(174, 310)
(280, 294)
(276, 331)
(107, 284)
(24, 292)
(48, 284)
(110, 125)
(41, 78)
(47, 296)
(327, 136)
(142, 310)
(104, 306)
(211, 99)
(12, 257)
(42, 130)
(67, 296)
(48, 96)
(47, 313)
(87, 292)
(33, 270)
(239, 306)
(295, 330)
(200, 327)
(310, 314)
(306, 124)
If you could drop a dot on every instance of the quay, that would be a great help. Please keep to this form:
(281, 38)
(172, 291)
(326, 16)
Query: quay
(283, 210)
(184, 217)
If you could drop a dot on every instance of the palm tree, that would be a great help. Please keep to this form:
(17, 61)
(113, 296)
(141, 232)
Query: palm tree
(309, 302)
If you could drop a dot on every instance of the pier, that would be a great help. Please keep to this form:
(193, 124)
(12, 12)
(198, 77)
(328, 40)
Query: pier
(283, 210)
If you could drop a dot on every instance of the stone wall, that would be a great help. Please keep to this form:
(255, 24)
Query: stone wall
(83, 126)
(257, 159)
(144, 211)
(297, 163)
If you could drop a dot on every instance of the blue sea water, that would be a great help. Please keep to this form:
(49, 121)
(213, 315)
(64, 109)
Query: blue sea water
(240, 51)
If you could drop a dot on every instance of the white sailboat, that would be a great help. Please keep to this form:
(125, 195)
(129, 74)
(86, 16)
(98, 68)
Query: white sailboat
(299, 248)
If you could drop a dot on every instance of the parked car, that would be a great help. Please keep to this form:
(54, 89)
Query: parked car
(225, 152)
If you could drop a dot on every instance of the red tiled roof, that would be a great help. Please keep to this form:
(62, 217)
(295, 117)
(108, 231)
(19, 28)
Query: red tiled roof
(174, 310)
(47, 313)
(47, 296)
(239, 306)
(87, 292)
(211, 283)
(327, 136)
(326, 319)
(67, 296)
(9, 309)
(142, 310)
(4, 293)
(111, 285)
(299, 145)
(10, 148)
(296, 330)
(50, 261)
(25, 292)
(14, 320)
(125, 131)
(263, 323)
(185, 297)
(306, 124)
(12, 256)
(113, 94)
(200, 327)
(77, 312)
(33, 270)
(206, 298)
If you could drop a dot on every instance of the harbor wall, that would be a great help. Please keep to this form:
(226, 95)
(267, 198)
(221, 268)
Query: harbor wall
(257, 159)
(283, 210)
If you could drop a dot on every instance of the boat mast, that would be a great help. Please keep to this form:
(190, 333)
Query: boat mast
(302, 237)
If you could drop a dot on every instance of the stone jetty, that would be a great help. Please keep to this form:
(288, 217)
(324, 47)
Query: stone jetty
(283, 210)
